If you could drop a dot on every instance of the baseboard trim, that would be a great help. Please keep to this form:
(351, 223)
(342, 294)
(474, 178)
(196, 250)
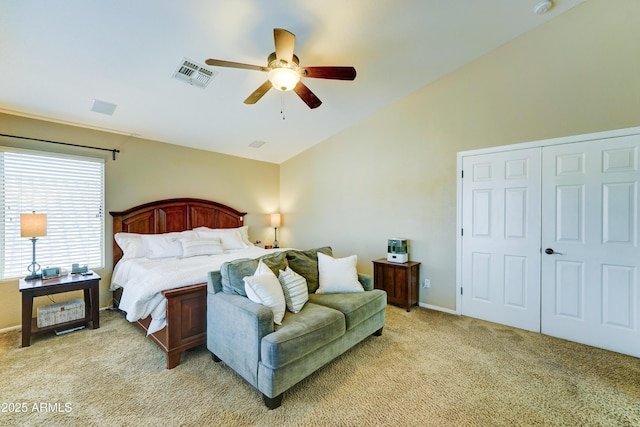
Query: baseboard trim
(10, 328)
(437, 308)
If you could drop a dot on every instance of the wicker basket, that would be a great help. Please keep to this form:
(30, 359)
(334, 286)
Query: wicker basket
(60, 313)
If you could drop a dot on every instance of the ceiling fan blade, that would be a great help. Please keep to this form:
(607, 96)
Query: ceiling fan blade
(258, 93)
(335, 73)
(229, 64)
(285, 41)
(307, 96)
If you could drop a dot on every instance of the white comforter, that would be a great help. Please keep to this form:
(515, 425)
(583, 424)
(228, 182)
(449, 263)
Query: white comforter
(143, 280)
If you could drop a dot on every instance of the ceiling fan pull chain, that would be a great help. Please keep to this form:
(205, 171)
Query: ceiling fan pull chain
(282, 105)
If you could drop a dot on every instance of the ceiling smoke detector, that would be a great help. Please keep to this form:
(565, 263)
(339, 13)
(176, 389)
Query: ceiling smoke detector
(193, 73)
(542, 7)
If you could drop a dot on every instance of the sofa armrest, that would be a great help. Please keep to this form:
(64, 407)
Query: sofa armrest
(241, 316)
(366, 280)
(235, 328)
(214, 282)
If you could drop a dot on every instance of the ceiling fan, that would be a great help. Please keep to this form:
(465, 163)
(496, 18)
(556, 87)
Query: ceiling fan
(284, 71)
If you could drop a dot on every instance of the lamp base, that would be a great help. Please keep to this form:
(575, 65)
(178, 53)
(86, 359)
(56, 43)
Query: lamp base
(275, 237)
(34, 267)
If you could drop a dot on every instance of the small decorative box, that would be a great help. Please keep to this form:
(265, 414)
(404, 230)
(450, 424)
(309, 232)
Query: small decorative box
(60, 313)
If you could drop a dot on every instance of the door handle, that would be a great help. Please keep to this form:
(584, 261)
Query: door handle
(550, 251)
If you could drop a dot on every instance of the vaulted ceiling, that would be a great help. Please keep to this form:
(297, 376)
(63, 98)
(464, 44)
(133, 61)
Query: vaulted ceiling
(58, 56)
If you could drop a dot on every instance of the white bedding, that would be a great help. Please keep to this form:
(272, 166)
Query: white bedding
(143, 280)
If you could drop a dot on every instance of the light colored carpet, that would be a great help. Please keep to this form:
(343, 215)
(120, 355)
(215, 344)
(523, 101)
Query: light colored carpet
(428, 368)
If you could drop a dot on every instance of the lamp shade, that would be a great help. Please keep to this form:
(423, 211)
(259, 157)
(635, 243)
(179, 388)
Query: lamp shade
(283, 79)
(275, 220)
(33, 225)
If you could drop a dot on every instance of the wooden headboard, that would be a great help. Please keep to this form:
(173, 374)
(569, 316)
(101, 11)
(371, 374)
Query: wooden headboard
(164, 216)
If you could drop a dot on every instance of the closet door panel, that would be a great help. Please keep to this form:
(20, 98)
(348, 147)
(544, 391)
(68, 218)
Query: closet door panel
(501, 238)
(590, 290)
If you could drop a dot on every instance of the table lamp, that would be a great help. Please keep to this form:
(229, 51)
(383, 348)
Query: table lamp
(33, 225)
(275, 223)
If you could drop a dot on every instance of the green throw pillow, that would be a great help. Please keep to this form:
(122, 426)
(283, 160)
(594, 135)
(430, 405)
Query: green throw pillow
(305, 263)
(233, 272)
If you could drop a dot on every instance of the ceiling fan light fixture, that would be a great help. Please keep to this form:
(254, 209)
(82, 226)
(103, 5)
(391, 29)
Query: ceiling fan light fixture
(284, 79)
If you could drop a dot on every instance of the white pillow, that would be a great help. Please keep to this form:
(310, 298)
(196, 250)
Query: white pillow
(198, 246)
(165, 245)
(264, 288)
(244, 233)
(231, 238)
(294, 286)
(131, 245)
(338, 275)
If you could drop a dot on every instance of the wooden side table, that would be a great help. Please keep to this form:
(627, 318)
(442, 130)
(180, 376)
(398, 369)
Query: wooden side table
(35, 288)
(399, 280)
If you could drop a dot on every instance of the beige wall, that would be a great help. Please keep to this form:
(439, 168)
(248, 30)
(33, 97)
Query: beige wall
(394, 174)
(145, 171)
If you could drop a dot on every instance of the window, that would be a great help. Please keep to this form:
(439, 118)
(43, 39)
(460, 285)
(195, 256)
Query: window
(70, 190)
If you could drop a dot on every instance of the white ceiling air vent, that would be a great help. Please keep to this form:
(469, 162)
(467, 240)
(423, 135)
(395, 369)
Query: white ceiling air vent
(103, 107)
(257, 144)
(193, 73)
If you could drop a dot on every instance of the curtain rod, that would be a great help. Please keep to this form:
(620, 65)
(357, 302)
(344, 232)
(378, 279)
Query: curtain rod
(113, 151)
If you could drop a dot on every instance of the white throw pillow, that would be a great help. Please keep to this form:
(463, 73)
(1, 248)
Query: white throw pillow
(338, 275)
(231, 238)
(131, 244)
(294, 286)
(198, 246)
(264, 288)
(165, 245)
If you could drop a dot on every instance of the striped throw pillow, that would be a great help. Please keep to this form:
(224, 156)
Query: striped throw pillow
(195, 247)
(294, 286)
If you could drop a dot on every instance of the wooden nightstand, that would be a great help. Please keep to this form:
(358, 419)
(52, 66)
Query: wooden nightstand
(67, 283)
(399, 280)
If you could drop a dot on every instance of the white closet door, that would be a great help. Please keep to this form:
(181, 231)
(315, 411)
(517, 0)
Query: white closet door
(590, 219)
(501, 238)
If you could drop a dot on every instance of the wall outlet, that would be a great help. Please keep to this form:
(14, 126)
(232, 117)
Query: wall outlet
(426, 283)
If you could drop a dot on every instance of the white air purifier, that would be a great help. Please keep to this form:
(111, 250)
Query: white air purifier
(397, 251)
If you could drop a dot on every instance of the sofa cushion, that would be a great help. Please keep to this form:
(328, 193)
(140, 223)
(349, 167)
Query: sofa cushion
(305, 263)
(356, 307)
(233, 272)
(301, 333)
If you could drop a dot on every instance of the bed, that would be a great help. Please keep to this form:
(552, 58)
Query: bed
(185, 305)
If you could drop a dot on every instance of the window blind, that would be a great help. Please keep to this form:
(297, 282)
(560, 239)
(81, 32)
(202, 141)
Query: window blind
(70, 190)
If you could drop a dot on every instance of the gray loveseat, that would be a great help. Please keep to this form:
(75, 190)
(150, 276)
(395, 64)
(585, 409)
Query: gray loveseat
(272, 357)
